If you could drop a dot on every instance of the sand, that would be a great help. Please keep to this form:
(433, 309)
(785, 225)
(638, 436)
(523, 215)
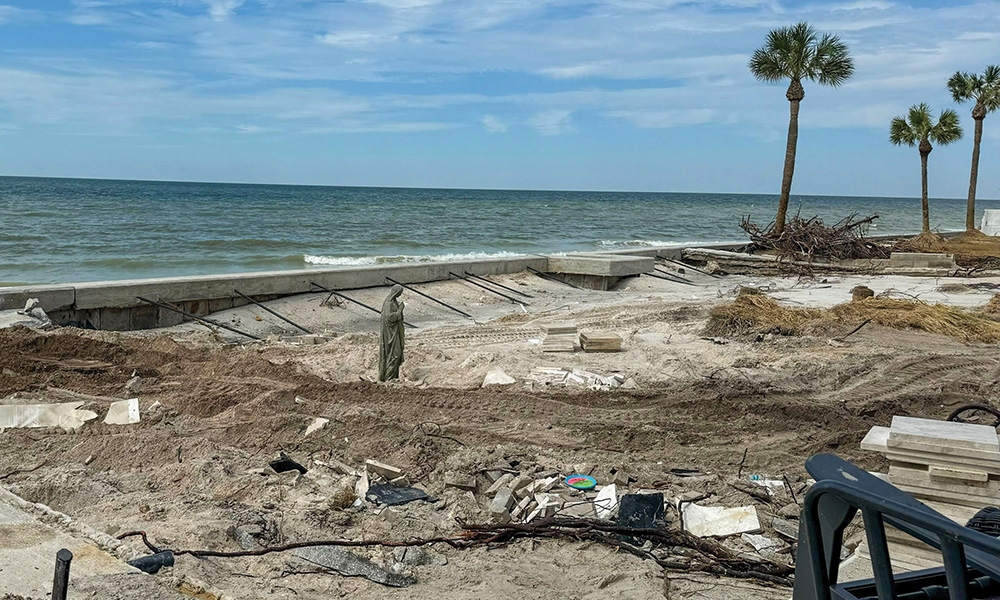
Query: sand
(213, 414)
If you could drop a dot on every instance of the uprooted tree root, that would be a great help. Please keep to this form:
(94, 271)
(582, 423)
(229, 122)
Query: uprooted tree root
(754, 313)
(809, 239)
(673, 550)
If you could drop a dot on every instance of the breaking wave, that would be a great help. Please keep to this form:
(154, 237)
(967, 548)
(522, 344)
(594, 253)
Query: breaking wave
(353, 261)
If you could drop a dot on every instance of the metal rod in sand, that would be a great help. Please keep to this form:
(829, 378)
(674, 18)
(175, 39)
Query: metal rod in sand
(419, 293)
(201, 320)
(665, 278)
(349, 299)
(501, 294)
(551, 278)
(499, 285)
(687, 266)
(259, 305)
(669, 274)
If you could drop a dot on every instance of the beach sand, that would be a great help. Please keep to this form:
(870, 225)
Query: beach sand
(189, 473)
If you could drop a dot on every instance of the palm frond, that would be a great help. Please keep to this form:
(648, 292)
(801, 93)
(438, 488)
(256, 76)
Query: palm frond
(798, 52)
(948, 129)
(832, 64)
(901, 134)
(961, 86)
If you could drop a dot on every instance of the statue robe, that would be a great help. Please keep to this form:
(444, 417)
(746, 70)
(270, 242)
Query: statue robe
(390, 352)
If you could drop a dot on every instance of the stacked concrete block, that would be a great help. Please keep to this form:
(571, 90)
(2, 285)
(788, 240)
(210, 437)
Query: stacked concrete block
(559, 337)
(952, 467)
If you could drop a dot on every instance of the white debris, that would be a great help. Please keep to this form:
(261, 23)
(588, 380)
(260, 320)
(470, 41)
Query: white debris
(123, 412)
(606, 503)
(67, 415)
(758, 542)
(719, 521)
(497, 376)
(316, 425)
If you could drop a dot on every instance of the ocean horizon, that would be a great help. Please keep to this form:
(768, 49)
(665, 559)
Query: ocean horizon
(59, 230)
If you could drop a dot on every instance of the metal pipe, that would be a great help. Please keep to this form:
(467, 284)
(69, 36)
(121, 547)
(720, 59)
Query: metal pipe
(349, 299)
(686, 266)
(501, 294)
(197, 318)
(259, 305)
(60, 582)
(551, 278)
(666, 278)
(668, 273)
(419, 293)
(499, 285)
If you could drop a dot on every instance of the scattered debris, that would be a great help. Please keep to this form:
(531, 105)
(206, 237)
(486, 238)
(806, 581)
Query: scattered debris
(349, 564)
(123, 412)
(133, 384)
(606, 503)
(562, 377)
(317, 424)
(719, 521)
(67, 415)
(497, 376)
(391, 495)
(285, 464)
(810, 239)
(641, 511)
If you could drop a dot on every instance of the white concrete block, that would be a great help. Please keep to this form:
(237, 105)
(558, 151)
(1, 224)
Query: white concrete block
(719, 521)
(945, 433)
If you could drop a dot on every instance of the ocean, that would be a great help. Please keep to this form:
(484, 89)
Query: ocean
(71, 230)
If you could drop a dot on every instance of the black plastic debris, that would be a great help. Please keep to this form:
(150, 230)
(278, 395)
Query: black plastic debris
(640, 511)
(391, 495)
(284, 464)
(154, 562)
(685, 472)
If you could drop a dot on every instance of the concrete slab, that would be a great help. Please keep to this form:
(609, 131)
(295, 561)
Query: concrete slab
(944, 433)
(604, 266)
(954, 488)
(923, 473)
(958, 474)
(963, 498)
(50, 297)
(28, 548)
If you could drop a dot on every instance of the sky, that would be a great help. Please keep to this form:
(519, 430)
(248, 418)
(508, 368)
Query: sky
(630, 95)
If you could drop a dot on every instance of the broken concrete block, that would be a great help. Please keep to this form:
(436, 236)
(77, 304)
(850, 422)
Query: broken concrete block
(387, 471)
(582, 509)
(493, 476)
(719, 521)
(500, 483)
(317, 424)
(522, 507)
(123, 412)
(362, 485)
(460, 481)
(758, 542)
(956, 473)
(786, 529)
(497, 376)
(606, 503)
(501, 505)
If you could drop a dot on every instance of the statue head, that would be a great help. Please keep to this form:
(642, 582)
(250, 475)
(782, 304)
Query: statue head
(395, 291)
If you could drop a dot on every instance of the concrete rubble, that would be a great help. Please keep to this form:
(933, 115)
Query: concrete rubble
(553, 376)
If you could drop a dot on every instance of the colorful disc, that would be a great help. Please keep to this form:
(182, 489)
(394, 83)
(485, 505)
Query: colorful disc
(581, 482)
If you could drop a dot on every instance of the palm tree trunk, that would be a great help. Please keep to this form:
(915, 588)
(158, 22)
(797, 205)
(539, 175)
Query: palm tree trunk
(794, 94)
(924, 206)
(970, 208)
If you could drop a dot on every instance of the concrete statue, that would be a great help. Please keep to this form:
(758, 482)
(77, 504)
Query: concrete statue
(390, 351)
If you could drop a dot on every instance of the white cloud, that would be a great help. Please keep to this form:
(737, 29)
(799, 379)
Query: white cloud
(494, 125)
(551, 122)
(222, 9)
(662, 119)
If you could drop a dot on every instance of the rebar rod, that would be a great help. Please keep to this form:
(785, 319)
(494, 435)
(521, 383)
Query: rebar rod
(501, 294)
(197, 318)
(419, 293)
(259, 305)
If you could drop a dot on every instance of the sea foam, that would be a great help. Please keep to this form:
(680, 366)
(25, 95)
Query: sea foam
(352, 261)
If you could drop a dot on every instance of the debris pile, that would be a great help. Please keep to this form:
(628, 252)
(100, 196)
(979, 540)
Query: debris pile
(553, 376)
(952, 467)
(809, 239)
(559, 337)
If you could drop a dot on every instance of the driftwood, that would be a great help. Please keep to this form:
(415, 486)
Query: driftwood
(809, 239)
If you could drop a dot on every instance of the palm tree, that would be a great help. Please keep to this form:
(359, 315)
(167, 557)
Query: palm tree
(985, 91)
(796, 53)
(918, 129)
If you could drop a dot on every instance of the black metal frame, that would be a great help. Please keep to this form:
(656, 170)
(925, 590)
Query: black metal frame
(842, 489)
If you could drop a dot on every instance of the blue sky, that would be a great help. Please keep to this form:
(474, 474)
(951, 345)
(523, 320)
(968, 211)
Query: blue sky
(541, 94)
